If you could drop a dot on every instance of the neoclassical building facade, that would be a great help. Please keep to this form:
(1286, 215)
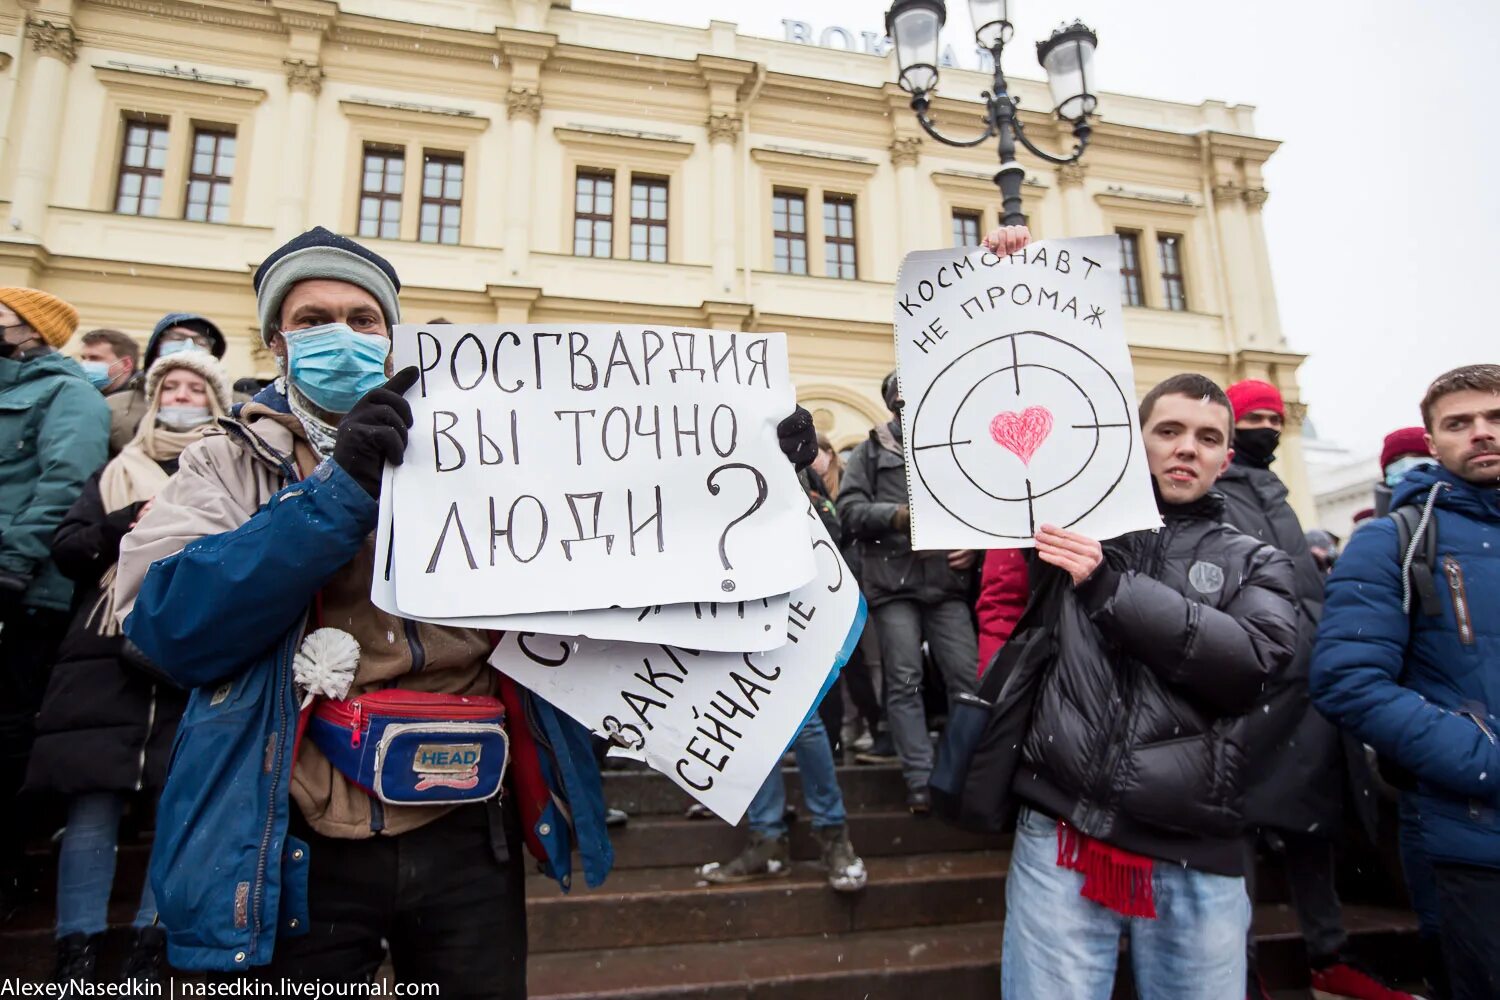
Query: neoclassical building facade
(520, 161)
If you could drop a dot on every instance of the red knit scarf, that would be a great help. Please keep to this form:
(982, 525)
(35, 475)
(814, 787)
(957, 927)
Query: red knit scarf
(1113, 878)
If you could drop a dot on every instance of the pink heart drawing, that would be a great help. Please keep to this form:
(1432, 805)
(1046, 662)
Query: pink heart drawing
(1022, 433)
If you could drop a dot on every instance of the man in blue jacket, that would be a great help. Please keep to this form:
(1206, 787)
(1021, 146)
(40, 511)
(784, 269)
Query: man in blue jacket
(1408, 659)
(268, 856)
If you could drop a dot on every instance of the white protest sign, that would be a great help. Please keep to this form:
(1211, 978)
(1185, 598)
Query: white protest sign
(741, 626)
(1019, 396)
(563, 468)
(715, 723)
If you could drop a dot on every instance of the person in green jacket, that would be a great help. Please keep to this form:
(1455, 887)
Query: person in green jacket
(54, 434)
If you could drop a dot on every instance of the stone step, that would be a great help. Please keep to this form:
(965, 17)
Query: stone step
(961, 960)
(670, 842)
(789, 962)
(865, 787)
(664, 906)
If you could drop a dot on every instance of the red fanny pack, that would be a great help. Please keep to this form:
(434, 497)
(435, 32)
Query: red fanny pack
(414, 747)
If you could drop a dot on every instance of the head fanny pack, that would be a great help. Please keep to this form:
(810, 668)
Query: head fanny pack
(403, 747)
(414, 747)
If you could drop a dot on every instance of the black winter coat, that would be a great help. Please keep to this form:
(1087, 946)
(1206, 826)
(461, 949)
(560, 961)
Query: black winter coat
(872, 488)
(108, 718)
(1300, 768)
(1137, 732)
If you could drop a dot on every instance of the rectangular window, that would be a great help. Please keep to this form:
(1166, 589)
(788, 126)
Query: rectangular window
(789, 231)
(143, 161)
(593, 214)
(209, 175)
(1131, 292)
(838, 237)
(384, 178)
(965, 228)
(442, 198)
(1173, 291)
(648, 219)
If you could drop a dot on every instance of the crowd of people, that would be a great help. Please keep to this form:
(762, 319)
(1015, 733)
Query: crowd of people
(1158, 708)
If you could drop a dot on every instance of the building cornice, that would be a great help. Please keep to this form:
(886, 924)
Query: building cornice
(157, 84)
(1121, 199)
(619, 143)
(242, 15)
(815, 161)
(973, 182)
(659, 71)
(396, 36)
(428, 120)
(534, 46)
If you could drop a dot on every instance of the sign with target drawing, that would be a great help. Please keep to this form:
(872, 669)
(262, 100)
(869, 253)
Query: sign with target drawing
(1018, 391)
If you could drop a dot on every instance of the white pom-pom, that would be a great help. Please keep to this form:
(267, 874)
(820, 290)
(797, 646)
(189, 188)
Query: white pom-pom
(325, 664)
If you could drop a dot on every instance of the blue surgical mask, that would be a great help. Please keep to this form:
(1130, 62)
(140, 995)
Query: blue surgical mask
(1397, 470)
(333, 366)
(97, 372)
(172, 347)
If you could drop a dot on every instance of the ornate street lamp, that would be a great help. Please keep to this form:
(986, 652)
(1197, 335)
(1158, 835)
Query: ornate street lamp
(1067, 57)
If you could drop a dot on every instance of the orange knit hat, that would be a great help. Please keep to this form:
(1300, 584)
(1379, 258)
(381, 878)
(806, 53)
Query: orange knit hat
(48, 315)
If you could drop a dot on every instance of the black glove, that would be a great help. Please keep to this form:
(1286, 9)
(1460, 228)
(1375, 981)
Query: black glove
(374, 432)
(798, 438)
(12, 589)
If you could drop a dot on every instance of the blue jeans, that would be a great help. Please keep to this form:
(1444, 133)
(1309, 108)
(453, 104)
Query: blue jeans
(820, 786)
(1060, 946)
(86, 867)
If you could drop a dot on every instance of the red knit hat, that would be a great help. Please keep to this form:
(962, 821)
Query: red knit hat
(1406, 441)
(1253, 394)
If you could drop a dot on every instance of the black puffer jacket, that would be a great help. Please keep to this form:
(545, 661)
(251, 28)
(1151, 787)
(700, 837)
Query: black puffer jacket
(108, 718)
(872, 489)
(1137, 734)
(1300, 767)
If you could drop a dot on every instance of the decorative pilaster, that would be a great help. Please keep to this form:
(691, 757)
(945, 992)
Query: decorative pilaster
(35, 148)
(1071, 174)
(49, 38)
(1256, 197)
(725, 127)
(1228, 192)
(907, 151)
(303, 77)
(523, 103)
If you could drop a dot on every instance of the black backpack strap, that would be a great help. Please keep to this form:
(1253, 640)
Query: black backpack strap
(1408, 521)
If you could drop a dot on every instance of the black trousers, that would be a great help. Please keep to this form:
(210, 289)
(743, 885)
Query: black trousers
(29, 638)
(1309, 861)
(1469, 909)
(448, 898)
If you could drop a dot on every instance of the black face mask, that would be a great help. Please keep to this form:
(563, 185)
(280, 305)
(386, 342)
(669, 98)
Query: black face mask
(7, 349)
(1256, 446)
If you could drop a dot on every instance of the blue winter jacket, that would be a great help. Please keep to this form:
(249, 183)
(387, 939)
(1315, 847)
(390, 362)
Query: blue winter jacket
(224, 616)
(1425, 691)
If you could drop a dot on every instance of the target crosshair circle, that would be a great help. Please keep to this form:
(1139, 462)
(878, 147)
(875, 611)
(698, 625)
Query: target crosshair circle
(951, 445)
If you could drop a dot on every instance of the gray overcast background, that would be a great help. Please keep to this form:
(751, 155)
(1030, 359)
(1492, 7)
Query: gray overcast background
(1383, 197)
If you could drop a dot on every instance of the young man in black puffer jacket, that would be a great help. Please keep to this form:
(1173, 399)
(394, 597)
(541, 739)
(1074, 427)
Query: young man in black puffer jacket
(1133, 758)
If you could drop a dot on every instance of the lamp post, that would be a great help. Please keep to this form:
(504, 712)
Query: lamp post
(1067, 57)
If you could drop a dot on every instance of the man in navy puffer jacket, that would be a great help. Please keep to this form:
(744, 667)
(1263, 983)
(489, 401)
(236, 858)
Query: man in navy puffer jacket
(1424, 689)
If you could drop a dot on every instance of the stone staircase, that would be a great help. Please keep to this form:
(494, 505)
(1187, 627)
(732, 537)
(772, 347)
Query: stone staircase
(929, 922)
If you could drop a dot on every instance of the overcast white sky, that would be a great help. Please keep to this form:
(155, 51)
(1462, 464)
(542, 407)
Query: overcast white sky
(1384, 207)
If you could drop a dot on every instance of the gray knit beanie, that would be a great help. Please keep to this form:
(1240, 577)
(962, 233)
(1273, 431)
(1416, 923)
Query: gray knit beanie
(319, 253)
